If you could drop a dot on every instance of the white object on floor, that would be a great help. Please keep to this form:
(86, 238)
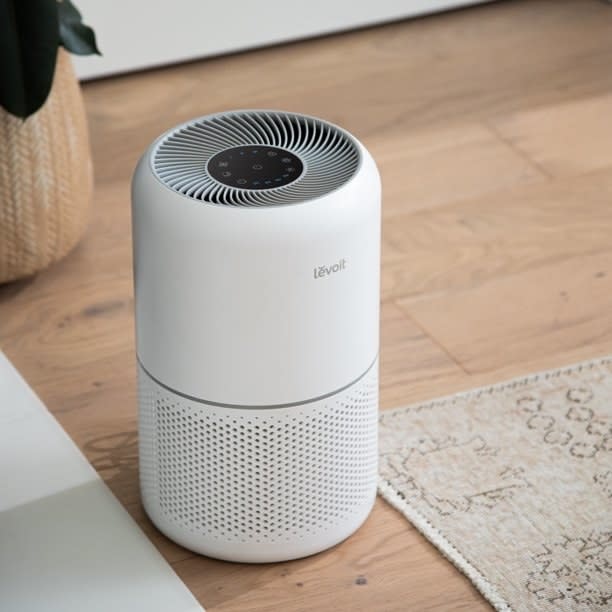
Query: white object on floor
(258, 387)
(66, 544)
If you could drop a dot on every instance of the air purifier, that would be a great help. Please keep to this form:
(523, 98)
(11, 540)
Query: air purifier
(256, 270)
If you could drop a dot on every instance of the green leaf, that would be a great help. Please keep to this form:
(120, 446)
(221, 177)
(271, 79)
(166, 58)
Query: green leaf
(75, 36)
(28, 50)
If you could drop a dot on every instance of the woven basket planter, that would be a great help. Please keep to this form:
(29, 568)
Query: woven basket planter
(46, 179)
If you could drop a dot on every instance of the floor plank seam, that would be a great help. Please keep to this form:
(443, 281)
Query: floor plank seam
(522, 154)
(409, 316)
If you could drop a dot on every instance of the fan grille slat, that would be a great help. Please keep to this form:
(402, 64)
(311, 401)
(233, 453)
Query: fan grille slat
(329, 155)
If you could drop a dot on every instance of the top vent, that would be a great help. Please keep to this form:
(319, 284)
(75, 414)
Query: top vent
(255, 158)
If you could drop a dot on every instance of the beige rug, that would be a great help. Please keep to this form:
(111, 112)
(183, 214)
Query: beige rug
(513, 483)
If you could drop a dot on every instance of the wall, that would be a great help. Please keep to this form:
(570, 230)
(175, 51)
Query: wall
(135, 34)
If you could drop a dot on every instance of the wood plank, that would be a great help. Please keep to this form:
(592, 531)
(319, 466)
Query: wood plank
(76, 344)
(465, 244)
(442, 165)
(412, 366)
(563, 139)
(536, 314)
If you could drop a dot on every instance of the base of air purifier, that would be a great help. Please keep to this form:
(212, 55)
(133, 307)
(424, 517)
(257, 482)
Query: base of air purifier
(258, 485)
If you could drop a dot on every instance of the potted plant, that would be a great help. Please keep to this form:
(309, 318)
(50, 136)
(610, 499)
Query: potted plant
(46, 179)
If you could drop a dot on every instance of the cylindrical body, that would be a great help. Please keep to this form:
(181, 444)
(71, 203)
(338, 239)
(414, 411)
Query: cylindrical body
(257, 315)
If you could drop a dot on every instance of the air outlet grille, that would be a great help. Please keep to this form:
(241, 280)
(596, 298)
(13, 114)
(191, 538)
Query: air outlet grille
(329, 157)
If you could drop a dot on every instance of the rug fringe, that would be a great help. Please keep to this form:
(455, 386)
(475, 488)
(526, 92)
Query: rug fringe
(389, 494)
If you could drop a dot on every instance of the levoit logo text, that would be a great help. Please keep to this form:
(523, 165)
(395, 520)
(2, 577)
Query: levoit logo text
(321, 271)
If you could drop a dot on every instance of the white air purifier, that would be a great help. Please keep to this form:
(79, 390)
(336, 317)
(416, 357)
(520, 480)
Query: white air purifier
(256, 271)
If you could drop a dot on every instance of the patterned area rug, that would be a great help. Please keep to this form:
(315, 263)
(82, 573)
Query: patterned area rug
(513, 483)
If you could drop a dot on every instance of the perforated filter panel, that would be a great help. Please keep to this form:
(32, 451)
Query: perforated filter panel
(293, 480)
(330, 157)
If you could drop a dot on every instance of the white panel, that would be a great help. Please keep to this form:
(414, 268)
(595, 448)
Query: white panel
(135, 34)
(66, 544)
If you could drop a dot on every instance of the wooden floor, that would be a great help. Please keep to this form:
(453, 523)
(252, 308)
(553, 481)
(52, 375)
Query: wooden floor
(492, 127)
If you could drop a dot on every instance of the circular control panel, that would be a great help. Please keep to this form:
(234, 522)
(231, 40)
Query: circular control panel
(255, 167)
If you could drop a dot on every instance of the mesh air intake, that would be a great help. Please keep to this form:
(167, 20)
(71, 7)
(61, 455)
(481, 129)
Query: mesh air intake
(258, 484)
(329, 157)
